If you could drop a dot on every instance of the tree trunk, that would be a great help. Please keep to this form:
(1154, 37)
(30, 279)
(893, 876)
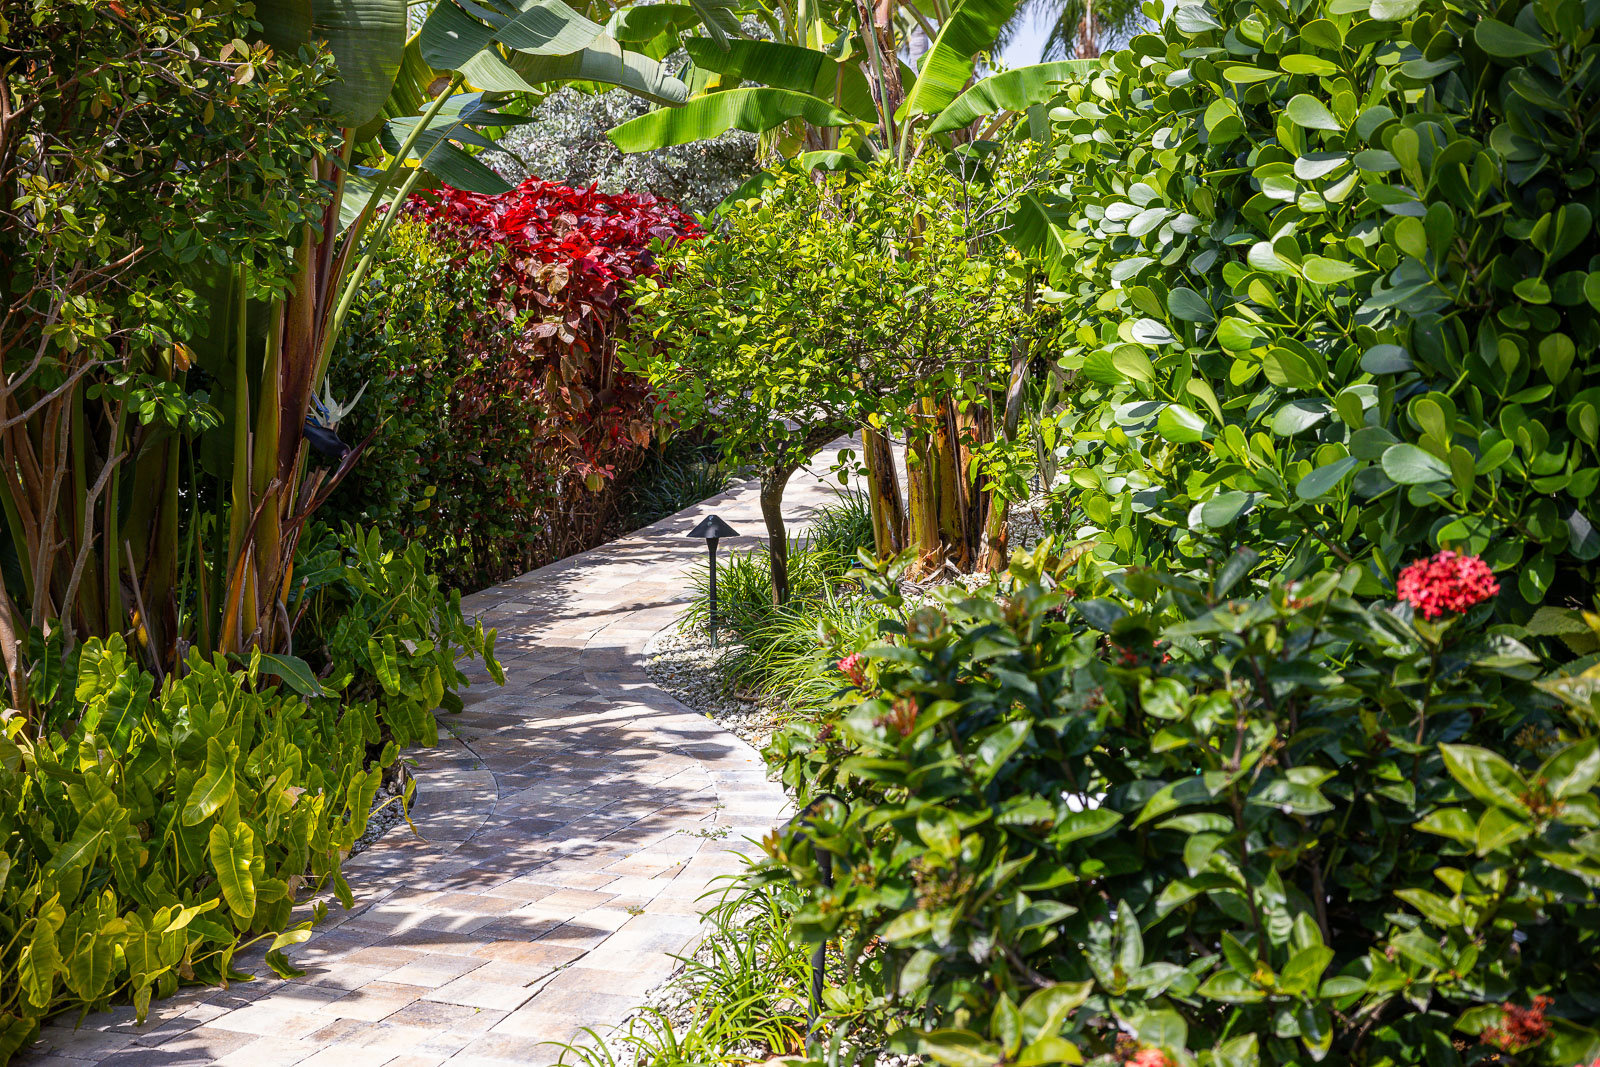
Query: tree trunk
(951, 501)
(922, 493)
(883, 494)
(773, 481)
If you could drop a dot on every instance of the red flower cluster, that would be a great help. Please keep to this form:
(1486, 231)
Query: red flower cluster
(1447, 582)
(854, 667)
(1519, 1028)
(1149, 1057)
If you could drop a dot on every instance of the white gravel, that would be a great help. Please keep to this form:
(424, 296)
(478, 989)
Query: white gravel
(386, 810)
(680, 660)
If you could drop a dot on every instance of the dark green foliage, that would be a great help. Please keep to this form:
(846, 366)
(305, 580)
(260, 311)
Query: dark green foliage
(1279, 828)
(677, 475)
(1333, 268)
(416, 327)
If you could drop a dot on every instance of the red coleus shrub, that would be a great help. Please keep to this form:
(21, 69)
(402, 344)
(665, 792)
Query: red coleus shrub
(578, 245)
(1447, 582)
(543, 414)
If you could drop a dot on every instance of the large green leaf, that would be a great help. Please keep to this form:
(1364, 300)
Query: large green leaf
(756, 110)
(452, 37)
(1015, 90)
(607, 63)
(1033, 231)
(787, 66)
(638, 25)
(366, 37)
(782, 66)
(970, 29)
(231, 856)
(719, 19)
(463, 121)
(214, 787)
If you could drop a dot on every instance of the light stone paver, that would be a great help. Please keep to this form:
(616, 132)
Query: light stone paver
(570, 823)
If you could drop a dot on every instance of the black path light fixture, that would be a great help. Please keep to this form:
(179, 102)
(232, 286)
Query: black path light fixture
(712, 529)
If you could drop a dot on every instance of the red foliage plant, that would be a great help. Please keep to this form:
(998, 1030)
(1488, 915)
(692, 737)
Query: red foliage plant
(551, 416)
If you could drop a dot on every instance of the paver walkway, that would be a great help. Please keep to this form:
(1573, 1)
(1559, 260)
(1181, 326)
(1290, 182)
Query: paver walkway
(572, 821)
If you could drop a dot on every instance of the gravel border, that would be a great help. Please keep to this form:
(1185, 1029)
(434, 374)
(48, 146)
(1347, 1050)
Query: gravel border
(387, 810)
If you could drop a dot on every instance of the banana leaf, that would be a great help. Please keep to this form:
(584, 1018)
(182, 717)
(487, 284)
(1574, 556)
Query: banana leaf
(970, 29)
(755, 109)
(1015, 90)
(367, 39)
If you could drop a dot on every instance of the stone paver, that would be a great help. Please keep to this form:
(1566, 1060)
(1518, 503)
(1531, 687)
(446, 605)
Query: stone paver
(570, 825)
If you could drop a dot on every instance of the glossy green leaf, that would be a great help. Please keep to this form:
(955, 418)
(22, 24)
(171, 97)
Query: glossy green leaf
(752, 109)
(1013, 90)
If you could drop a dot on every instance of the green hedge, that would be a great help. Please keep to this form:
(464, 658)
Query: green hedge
(1337, 287)
(1201, 790)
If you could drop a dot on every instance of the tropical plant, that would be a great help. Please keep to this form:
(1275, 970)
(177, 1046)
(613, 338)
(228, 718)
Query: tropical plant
(775, 334)
(209, 803)
(391, 636)
(1220, 820)
(1407, 366)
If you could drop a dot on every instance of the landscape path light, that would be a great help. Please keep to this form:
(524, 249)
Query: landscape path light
(712, 529)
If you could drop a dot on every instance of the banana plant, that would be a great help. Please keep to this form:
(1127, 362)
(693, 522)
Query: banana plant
(758, 86)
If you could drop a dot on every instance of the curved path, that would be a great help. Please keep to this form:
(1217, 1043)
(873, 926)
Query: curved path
(570, 823)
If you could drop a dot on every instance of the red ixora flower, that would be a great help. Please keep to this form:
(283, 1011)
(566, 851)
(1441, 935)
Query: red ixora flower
(854, 667)
(1447, 582)
(1149, 1057)
(1519, 1028)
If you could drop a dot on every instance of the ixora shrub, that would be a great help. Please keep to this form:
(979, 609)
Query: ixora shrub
(158, 829)
(1212, 822)
(1334, 270)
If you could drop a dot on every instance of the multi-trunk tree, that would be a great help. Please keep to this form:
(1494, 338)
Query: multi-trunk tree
(831, 92)
(823, 305)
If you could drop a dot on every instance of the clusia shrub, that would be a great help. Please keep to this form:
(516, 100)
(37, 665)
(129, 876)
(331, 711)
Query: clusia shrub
(539, 421)
(1206, 821)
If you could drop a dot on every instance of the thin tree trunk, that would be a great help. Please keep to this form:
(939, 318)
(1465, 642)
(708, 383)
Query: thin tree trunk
(922, 493)
(950, 502)
(773, 481)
